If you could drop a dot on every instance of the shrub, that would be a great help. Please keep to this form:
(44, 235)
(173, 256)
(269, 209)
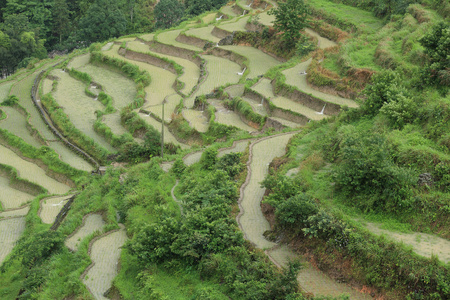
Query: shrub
(209, 158)
(10, 101)
(400, 110)
(295, 211)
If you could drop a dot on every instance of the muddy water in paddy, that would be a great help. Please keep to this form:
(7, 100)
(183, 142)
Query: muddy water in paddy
(421, 243)
(120, 88)
(323, 43)
(252, 221)
(168, 136)
(78, 106)
(204, 33)
(229, 117)
(257, 106)
(16, 124)
(20, 212)
(10, 232)
(50, 208)
(169, 107)
(70, 157)
(91, 224)
(31, 172)
(259, 62)
(240, 146)
(196, 119)
(220, 72)
(191, 72)
(169, 38)
(294, 78)
(105, 254)
(114, 123)
(234, 25)
(286, 122)
(10, 197)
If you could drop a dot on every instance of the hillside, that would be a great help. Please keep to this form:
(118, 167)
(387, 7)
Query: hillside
(229, 157)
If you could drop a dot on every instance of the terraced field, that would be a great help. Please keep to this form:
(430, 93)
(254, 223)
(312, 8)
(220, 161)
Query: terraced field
(168, 136)
(4, 89)
(162, 80)
(196, 119)
(258, 107)
(234, 25)
(78, 106)
(170, 104)
(228, 117)
(294, 78)
(220, 72)
(105, 254)
(11, 197)
(169, 38)
(228, 10)
(13, 213)
(209, 18)
(191, 72)
(10, 232)
(16, 123)
(114, 123)
(91, 224)
(204, 33)
(50, 208)
(260, 62)
(31, 172)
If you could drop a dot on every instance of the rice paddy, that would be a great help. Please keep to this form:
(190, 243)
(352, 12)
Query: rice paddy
(229, 117)
(260, 62)
(236, 90)
(105, 254)
(69, 157)
(220, 72)
(147, 37)
(192, 158)
(161, 85)
(252, 221)
(291, 105)
(234, 25)
(264, 87)
(196, 119)
(294, 78)
(16, 123)
(107, 46)
(20, 212)
(169, 107)
(266, 19)
(203, 33)
(239, 146)
(50, 208)
(114, 123)
(209, 18)
(91, 224)
(257, 106)
(228, 10)
(4, 89)
(323, 43)
(47, 85)
(79, 61)
(138, 46)
(10, 232)
(285, 122)
(169, 38)
(120, 88)
(168, 136)
(31, 172)
(10, 197)
(78, 106)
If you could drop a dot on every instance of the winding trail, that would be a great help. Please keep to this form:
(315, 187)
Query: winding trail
(253, 223)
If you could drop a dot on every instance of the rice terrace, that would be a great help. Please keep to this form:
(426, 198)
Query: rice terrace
(250, 149)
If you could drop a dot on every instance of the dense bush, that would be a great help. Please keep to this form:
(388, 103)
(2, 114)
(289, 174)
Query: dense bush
(10, 101)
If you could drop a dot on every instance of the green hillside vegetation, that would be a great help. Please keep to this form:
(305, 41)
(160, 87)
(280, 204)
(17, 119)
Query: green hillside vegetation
(227, 153)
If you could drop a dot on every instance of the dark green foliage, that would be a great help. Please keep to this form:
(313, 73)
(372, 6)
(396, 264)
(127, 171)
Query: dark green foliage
(244, 108)
(197, 7)
(304, 46)
(11, 100)
(168, 13)
(103, 20)
(367, 172)
(35, 249)
(178, 167)
(437, 47)
(294, 211)
(231, 163)
(209, 158)
(290, 18)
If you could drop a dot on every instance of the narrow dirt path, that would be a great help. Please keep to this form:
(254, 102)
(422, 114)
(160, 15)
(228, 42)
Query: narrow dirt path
(105, 254)
(421, 243)
(253, 223)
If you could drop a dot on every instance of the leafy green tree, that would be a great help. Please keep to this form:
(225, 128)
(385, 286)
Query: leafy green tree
(437, 47)
(103, 20)
(168, 13)
(290, 18)
(61, 19)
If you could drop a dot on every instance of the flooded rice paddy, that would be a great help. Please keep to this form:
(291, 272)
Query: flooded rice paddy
(266, 19)
(79, 107)
(169, 107)
(294, 78)
(229, 117)
(162, 81)
(220, 72)
(257, 106)
(11, 197)
(79, 61)
(114, 123)
(236, 90)
(105, 254)
(209, 18)
(47, 85)
(228, 10)
(289, 104)
(204, 33)
(50, 208)
(20, 212)
(4, 89)
(323, 43)
(120, 88)
(169, 38)
(286, 123)
(147, 37)
(91, 224)
(252, 221)
(16, 124)
(239, 146)
(107, 46)
(264, 87)
(69, 157)
(196, 119)
(234, 25)
(168, 136)
(10, 232)
(31, 172)
(260, 62)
